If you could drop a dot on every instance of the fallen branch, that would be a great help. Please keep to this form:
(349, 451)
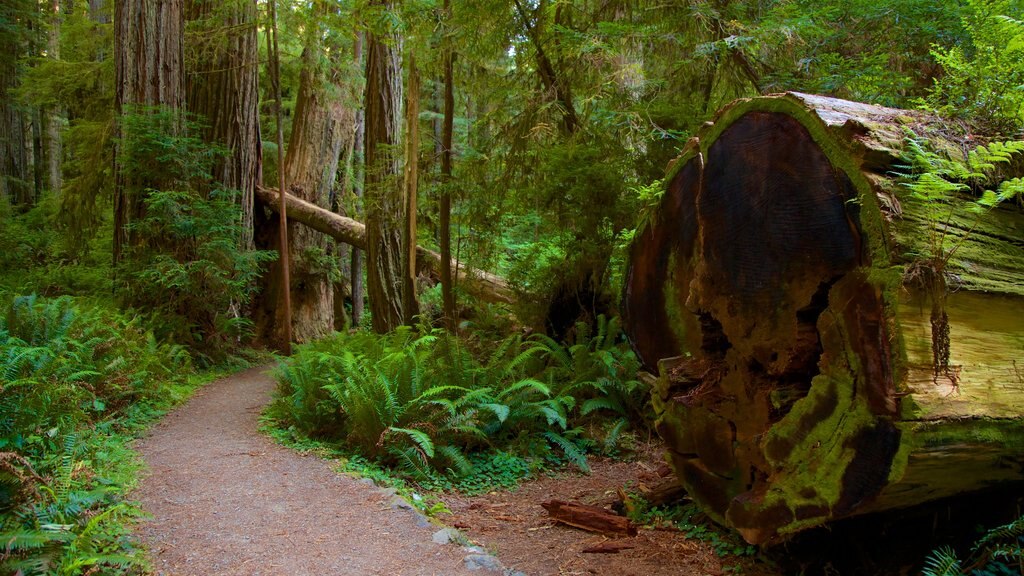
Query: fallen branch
(591, 518)
(483, 285)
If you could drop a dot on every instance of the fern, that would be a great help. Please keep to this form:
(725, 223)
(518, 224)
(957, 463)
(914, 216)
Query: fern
(571, 451)
(942, 562)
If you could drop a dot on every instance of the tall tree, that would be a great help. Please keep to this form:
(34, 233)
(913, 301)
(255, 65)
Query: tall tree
(323, 125)
(445, 208)
(410, 305)
(148, 58)
(358, 174)
(54, 115)
(223, 89)
(385, 205)
(15, 130)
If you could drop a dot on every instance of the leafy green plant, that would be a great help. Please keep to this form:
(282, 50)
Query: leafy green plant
(422, 402)
(935, 180)
(984, 76)
(998, 552)
(75, 382)
(185, 263)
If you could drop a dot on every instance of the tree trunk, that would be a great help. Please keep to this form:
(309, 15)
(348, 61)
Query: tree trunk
(54, 117)
(385, 206)
(323, 123)
(445, 208)
(15, 168)
(480, 284)
(356, 270)
(796, 373)
(223, 89)
(148, 64)
(410, 305)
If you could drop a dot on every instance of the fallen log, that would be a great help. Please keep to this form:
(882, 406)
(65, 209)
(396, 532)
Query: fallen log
(796, 383)
(483, 285)
(590, 518)
(668, 491)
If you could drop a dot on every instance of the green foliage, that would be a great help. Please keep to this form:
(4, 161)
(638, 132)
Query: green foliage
(693, 523)
(75, 381)
(984, 75)
(185, 265)
(420, 401)
(998, 552)
(936, 179)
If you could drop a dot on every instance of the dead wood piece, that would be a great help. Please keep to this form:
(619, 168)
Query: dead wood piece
(668, 491)
(590, 518)
(481, 284)
(800, 378)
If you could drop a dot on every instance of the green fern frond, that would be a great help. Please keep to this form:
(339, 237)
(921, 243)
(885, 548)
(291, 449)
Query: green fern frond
(593, 404)
(942, 562)
(455, 459)
(571, 451)
(418, 437)
(527, 385)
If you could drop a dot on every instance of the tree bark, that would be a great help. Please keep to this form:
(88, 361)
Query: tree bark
(483, 285)
(148, 70)
(590, 518)
(445, 208)
(410, 304)
(356, 273)
(54, 117)
(15, 167)
(796, 381)
(223, 90)
(385, 214)
(322, 126)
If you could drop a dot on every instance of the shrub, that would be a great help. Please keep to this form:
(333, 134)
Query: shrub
(420, 401)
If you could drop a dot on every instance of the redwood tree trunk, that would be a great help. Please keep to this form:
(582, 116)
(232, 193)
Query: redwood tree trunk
(410, 304)
(796, 381)
(323, 124)
(445, 208)
(148, 58)
(15, 167)
(223, 89)
(385, 204)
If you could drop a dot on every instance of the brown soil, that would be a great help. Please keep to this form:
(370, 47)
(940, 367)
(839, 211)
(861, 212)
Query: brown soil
(515, 527)
(225, 499)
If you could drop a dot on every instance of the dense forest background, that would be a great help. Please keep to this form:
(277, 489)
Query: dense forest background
(517, 143)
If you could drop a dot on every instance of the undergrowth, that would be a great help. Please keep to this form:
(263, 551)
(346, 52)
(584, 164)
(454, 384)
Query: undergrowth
(997, 552)
(428, 407)
(76, 383)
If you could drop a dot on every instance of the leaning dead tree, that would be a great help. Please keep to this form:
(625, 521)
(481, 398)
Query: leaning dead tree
(481, 284)
(773, 291)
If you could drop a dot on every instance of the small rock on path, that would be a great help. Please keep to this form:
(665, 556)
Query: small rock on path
(226, 500)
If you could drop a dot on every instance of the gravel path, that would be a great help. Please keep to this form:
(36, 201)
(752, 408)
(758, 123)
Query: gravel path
(225, 499)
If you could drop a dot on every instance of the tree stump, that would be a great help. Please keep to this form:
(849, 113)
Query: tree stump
(796, 378)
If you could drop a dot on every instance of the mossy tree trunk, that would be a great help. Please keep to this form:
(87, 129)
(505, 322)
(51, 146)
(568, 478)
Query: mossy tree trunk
(767, 291)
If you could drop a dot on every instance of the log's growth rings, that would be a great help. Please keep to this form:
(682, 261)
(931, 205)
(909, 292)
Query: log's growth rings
(764, 292)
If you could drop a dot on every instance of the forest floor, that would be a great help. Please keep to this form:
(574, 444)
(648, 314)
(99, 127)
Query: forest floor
(226, 500)
(513, 525)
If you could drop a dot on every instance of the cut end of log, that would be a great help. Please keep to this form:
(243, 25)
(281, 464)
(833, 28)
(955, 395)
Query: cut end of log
(765, 292)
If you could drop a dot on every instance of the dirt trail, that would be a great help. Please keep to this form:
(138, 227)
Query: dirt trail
(227, 500)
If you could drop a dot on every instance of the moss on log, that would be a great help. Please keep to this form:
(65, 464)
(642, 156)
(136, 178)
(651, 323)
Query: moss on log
(796, 383)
